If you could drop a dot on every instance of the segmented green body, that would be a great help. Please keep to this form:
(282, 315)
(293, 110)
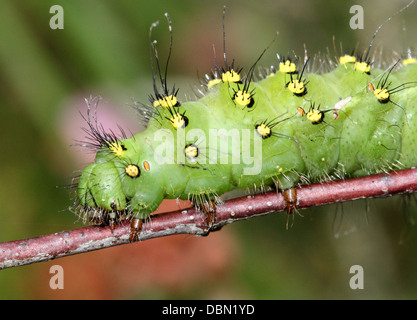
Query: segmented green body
(356, 134)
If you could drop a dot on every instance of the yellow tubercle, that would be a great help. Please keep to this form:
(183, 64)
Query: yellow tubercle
(362, 66)
(347, 59)
(243, 98)
(296, 86)
(230, 76)
(132, 170)
(381, 94)
(213, 82)
(166, 102)
(263, 130)
(191, 151)
(287, 67)
(117, 149)
(315, 116)
(409, 61)
(178, 121)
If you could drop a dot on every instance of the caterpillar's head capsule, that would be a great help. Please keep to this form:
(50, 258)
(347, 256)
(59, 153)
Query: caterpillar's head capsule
(122, 181)
(100, 187)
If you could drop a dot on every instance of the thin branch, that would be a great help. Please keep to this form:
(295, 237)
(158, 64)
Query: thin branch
(190, 221)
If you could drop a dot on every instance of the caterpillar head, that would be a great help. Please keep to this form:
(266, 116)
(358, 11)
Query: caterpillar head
(119, 182)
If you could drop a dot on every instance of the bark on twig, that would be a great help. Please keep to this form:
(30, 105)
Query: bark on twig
(190, 221)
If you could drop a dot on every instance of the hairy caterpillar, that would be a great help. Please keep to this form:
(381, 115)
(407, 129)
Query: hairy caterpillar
(292, 126)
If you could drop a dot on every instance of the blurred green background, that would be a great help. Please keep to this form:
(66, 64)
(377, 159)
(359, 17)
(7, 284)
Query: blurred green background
(103, 50)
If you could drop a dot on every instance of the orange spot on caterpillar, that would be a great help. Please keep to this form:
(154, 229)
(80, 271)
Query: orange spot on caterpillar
(301, 111)
(146, 165)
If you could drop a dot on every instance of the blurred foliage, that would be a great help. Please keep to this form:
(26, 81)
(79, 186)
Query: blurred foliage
(104, 50)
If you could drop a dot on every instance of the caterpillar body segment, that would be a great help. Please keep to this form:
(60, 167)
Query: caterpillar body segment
(135, 175)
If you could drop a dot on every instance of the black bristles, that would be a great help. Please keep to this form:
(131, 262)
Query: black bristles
(96, 136)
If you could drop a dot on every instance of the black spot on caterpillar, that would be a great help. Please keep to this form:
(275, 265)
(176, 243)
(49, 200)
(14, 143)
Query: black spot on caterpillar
(277, 131)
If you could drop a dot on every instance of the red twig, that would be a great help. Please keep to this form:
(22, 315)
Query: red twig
(190, 221)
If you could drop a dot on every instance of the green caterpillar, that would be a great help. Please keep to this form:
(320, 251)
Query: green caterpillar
(289, 127)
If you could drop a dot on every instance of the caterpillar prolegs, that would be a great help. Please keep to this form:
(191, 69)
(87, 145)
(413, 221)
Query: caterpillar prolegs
(290, 127)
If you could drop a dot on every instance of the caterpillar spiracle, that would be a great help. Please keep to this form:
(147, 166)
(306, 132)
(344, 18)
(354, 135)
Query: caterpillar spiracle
(288, 127)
